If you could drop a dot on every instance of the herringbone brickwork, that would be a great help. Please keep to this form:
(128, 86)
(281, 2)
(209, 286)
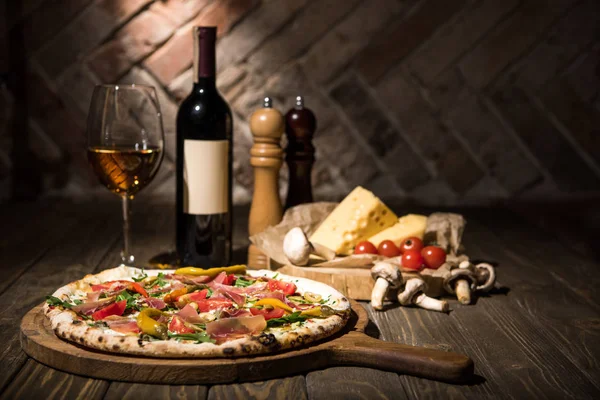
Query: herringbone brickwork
(440, 102)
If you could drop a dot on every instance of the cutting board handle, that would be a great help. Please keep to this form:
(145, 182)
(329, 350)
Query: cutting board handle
(365, 351)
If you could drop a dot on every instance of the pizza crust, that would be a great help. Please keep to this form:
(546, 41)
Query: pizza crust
(66, 325)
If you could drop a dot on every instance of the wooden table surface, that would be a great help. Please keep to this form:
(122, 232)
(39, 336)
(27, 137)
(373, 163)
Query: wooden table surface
(538, 336)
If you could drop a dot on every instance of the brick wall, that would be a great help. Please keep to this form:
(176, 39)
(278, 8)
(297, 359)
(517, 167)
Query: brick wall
(441, 102)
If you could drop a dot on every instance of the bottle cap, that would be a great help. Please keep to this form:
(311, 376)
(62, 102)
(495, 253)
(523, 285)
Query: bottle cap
(205, 38)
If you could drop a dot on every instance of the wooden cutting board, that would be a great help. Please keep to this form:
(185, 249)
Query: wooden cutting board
(356, 283)
(349, 347)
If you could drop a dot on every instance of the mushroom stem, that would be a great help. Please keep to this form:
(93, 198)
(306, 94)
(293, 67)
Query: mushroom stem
(463, 291)
(323, 251)
(378, 293)
(429, 303)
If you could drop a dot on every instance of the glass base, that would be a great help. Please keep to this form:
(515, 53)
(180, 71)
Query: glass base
(127, 259)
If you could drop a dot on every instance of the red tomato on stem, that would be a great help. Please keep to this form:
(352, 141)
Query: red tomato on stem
(434, 256)
(365, 247)
(388, 248)
(117, 308)
(411, 243)
(412, 259)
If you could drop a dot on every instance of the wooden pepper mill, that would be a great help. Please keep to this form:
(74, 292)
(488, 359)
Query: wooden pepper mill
(266, 156)
(300, 126)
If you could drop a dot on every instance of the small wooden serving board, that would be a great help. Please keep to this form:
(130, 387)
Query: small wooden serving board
(357, 283)
(349, 347)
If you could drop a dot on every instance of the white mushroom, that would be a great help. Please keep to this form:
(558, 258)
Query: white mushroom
(414, 294)
(386, 276)
(298, 249)
(486, 277)
(461, 281)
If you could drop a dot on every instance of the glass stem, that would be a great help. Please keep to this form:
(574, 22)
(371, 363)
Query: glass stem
(126, 256)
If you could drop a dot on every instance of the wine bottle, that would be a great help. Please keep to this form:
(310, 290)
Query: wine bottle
(204, 164)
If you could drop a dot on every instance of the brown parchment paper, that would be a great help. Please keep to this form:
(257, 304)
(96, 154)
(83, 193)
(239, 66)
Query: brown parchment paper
(308, 217)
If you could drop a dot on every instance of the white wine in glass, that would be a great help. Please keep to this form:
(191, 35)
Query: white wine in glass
(125, 143)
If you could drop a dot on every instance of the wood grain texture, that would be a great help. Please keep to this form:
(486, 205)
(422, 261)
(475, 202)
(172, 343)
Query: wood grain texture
(152, 227)
(78, 254)
(440, 331)
(353, 383)
(351, 346)
(542, 253)
(552, 311)
(538, 339)
(137, 391)
(37, 381)
(18, 250)
(293, 388)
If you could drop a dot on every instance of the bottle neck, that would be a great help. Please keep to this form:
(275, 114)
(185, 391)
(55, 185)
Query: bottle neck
(204, 84)
(204, 55)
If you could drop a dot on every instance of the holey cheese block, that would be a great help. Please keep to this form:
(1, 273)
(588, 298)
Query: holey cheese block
(407, 226)
(359, 216)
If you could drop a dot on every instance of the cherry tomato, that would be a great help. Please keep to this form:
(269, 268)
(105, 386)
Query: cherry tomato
(365, 247)
(117, 308)
(177, 326)
(229, 280)
(412, 259)
(434, 256)
(268, 314)
(287, 288)
(411, 243)
(387, 248)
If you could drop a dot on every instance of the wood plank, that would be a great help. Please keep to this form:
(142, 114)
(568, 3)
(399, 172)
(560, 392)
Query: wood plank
(136, 391)
(556, 313)
(51, 220)
(77, 255)
(508, 351)
(152, 232)
(440, 331)
(543, 335)
(354, 383)
(36, 381)
(540, 251)
(291, 388)
(101, 227)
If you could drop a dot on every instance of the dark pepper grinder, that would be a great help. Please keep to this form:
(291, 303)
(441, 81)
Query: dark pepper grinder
(300, 126)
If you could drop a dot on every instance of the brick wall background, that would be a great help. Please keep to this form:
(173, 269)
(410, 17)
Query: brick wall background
(441, 102)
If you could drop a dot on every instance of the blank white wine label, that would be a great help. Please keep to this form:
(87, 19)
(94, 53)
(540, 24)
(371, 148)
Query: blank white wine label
(205, 176)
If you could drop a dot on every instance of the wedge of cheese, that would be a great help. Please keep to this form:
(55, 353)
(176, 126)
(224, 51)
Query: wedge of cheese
(359, 216)
(407, 226)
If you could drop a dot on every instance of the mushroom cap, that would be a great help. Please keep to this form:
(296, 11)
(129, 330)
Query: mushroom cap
(459, 273)
(466, 265)
(412, 287)
(486, 276)
(296, 246)
(387, 271)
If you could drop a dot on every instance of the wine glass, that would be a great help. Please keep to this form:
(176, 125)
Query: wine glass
(125, 142)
